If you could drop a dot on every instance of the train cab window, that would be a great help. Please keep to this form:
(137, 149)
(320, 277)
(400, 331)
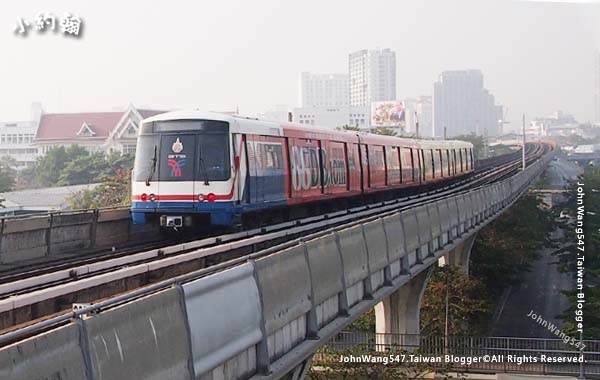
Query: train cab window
(213, 157)
(177, 157)
(146, 158)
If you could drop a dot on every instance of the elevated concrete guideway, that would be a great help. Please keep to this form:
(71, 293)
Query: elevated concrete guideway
(265, 318)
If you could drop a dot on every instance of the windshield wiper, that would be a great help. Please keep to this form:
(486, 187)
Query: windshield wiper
(153, 169)
(204, 172)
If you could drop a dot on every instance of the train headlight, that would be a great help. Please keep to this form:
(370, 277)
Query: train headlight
(144, 197)
(201, 197)
(152, 197)
(211, 197)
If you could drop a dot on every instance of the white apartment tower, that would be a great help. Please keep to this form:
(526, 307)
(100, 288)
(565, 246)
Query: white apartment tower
(462, 105)
(372, 76)
(323, 90)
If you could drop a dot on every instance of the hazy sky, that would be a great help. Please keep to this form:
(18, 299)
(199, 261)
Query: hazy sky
(536, 56)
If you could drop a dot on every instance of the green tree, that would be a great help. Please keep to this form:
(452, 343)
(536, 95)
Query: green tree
(117, 161)
(49, 167)
(112, 192)
(73, 166)
(477, 141)
(7, 174)
(513, 238)
(384, 131)
(348, 128)
(468, 303)
(571, 249)
(85, 169)
(326, 365)
(365, 322)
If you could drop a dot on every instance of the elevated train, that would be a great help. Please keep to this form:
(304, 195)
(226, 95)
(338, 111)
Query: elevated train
(196, 168)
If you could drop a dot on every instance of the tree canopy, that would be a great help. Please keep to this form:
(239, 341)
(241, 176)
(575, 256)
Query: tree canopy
(7, 174)
(384, 131)
(477, 141)
(73, 165)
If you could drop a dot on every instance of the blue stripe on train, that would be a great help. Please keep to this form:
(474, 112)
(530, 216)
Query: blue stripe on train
(221, 213)
(260, 192)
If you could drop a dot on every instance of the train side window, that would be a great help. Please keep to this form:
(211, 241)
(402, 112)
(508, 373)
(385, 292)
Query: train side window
(431, 161)
(444, 162)
(416, 165)
(454, 162)
(467, 159)
(422, 164)
(472, 159)
(437, 164)
(392, 165)
(406, 165)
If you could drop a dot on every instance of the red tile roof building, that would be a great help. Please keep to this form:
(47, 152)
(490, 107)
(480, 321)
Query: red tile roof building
(95, 131)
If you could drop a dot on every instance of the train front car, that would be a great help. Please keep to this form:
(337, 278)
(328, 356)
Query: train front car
(184, 172)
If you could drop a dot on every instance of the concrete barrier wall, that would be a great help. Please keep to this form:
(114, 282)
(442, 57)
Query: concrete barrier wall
(244, 321)
(394, 234)
(411, 230)
(376, 245)
(355, 259)
(146, 339)
(326, 271)
(56, 354)
(224, 318)
(58, 233)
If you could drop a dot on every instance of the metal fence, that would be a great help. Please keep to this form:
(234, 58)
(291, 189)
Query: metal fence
(473, 354)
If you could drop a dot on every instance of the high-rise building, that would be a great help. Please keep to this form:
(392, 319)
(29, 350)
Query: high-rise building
(462, 105)
(372, 76)
(323, 90)
(597, 86)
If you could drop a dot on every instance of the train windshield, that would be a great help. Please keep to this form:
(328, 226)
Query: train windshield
(187, 155)
(146, 156)
(202, 157)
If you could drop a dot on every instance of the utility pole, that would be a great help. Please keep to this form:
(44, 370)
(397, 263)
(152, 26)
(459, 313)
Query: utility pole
(485, 143)
(447, 306)
(417, 124)
(523, 142)
(445, 133)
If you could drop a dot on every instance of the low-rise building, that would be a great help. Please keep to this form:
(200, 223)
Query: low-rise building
(95, 131)
(16, 139)
(35, 201)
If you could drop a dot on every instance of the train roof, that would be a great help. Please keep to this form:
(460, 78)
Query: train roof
(240, 124)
